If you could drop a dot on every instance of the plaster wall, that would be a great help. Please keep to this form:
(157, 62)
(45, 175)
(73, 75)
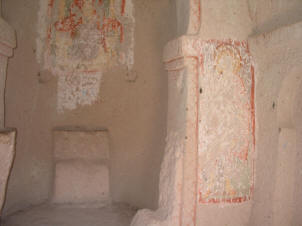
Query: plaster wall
(131, 105)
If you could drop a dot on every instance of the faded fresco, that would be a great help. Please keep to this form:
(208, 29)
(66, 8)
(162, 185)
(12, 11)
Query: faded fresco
(226, 124)
(80, 40)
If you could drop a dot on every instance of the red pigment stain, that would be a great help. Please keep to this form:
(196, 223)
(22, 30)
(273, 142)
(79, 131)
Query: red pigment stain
(51, 3)
(110, 25)
(99, 1)
(49, 32)
(253, 104)
(217, 200)
(123, 7)
(79, 3)
(71, 22)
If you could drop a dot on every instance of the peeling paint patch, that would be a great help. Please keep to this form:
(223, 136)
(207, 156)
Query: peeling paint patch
(84, 35)
(226, 123)
(73, 89)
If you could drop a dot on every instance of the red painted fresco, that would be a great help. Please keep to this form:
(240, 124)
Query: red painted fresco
(244, 154)
(123, 7)
(107, 25)
(110, 25)
(69, 24)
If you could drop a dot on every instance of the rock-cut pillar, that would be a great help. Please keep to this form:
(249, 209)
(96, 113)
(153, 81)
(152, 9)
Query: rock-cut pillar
(208, 166)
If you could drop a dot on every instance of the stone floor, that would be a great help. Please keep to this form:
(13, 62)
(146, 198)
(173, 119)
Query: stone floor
(51, 215)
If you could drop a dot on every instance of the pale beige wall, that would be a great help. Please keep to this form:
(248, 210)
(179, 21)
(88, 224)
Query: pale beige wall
(134, 112)
(222, 19)
(238, 20)
(278, 56)
(275, 60)
(269, 15)
(30, 109)
(297, 217)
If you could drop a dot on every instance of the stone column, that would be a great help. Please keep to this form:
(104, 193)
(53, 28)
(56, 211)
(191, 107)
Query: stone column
(178, 177)
(208, 163)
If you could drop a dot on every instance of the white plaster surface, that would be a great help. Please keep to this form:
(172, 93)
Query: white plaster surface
(77, 89)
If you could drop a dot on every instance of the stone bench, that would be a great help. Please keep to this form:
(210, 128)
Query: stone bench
(81, 166)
